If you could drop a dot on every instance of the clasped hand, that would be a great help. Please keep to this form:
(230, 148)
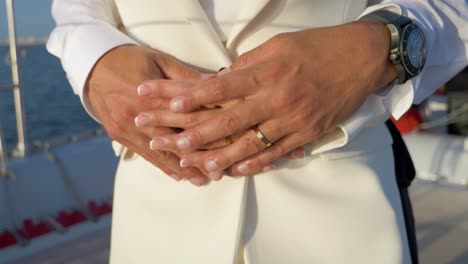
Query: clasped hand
(292, 88)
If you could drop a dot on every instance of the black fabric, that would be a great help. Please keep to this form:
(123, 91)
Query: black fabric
(409, 223)
(405, 173)
(404, 168)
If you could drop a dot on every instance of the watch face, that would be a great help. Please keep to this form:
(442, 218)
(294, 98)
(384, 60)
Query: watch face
(416, 48)
(413, 47)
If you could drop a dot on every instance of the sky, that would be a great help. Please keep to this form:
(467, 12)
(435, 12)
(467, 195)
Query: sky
(32, 18)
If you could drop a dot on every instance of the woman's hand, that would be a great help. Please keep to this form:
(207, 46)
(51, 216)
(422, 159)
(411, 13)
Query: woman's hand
(294, 87)
(112, 91)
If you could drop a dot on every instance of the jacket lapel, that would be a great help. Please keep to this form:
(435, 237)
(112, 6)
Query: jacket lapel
(195, 15)
(249, 10)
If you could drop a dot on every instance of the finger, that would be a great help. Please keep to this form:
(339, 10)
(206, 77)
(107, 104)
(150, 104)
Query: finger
(195, 159)
(172, 68)
(166, 118)
(248, 145)
(297, 153)
(238, 118)
(169, 145)
(221, 143)
(166, 143)
(164, 88)
(151, 132)
(168, 160)
(255, 164)
(235, 84)
(149, 103)
(172, 162)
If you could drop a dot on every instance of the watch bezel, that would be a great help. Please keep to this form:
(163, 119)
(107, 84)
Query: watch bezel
(405, 59)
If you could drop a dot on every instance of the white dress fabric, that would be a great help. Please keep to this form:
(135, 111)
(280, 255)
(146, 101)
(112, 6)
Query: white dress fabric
(338, 205)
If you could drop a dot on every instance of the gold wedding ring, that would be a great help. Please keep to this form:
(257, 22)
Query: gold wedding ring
(262, 137)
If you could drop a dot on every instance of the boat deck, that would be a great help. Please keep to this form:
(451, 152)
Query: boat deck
(441, 216)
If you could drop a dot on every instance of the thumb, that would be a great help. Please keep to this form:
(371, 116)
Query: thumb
(174, 69)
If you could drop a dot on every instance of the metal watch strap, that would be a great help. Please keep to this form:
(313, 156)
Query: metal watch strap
(395, 23)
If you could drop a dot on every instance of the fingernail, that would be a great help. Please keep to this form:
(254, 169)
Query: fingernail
(268, 167)
(157, 144)
(176, 105)
(142, 120)
(176, 177)
(215, 176)
(298, 154)
(211, 165)
(196, 181)
(224, 71)
(243, 168)
(143, 90)
(183, 142)
(185, 163)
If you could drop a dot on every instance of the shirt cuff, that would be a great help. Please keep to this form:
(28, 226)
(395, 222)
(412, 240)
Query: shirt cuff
(83, 47)
(371, 113)
(398, 98)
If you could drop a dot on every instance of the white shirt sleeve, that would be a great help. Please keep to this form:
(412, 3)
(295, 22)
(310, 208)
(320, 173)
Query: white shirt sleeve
(445, 26)
(86, 30)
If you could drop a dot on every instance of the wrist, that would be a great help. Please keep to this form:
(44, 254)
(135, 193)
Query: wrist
(381, 37)
(377, 38)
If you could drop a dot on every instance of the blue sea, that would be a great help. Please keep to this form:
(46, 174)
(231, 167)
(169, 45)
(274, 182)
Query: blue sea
(52, 109)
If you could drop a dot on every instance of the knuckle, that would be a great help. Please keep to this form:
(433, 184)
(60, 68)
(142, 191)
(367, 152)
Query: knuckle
(156, 119)
(283, 100)
(156, 88)
(190, 121)
(115, 131)
(257, 80)
(252, 145)
(279, 40)
(123, 114)
(282, 69)
(221, 88)
(257, 164)
(299, 119)
(229, 124)
(158, 103)
(187, 72)
(280, 36)
(160, 155)
(163, 88)
(244, 60)
(313, 133)
(195, 136)
(278, 151)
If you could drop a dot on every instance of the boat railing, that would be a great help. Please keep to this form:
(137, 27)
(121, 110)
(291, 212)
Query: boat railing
(3, 165)
(7, 175)
(21, 147)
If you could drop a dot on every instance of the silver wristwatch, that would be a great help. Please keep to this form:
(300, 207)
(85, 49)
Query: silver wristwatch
(407, 44)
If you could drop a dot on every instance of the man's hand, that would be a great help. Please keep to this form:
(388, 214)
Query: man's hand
(112, 91)
(295, 87)
(164, 117)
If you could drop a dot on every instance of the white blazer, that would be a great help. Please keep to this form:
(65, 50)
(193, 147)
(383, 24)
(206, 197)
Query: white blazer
(340, 206)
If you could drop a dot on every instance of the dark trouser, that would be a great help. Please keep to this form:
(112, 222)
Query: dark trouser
(405, 173)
